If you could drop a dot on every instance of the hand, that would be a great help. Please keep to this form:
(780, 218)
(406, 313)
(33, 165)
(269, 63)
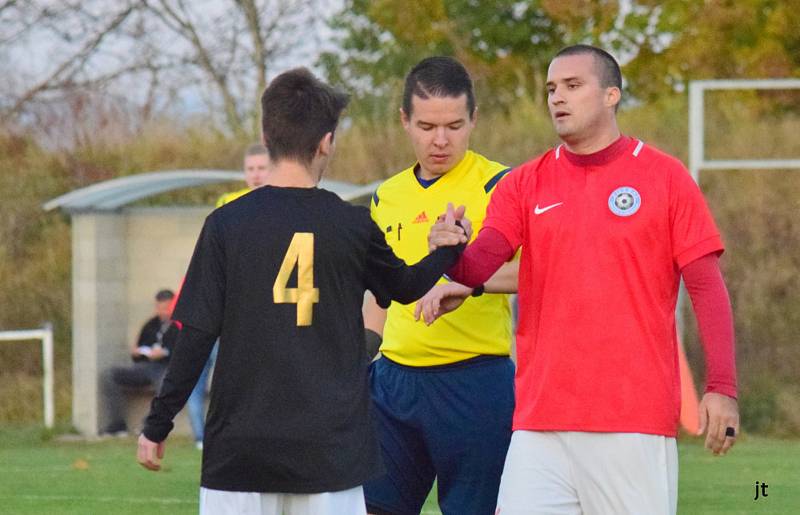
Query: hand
(149, 454)
(466, 223)
(157, 353)
(440, 300)
(446, 233)
(717, 413)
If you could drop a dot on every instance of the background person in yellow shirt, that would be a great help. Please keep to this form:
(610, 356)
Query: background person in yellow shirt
(444, 393)
(256, 167)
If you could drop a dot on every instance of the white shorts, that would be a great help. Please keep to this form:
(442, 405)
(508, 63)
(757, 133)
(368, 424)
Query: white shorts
(220, 502)
(578, 473)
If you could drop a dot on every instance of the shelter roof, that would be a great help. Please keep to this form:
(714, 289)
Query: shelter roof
(113, 194)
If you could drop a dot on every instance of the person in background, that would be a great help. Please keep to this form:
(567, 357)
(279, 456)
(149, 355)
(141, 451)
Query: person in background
(150, 355)
(256, 169)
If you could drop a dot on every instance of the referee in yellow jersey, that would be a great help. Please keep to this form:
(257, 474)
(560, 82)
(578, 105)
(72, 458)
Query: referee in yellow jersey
(443, 394)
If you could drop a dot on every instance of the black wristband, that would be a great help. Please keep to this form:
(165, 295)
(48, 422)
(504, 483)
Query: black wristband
(477, 291)
(373, 342)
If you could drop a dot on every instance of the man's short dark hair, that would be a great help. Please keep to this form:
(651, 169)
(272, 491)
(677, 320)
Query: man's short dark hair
(256, 149)
(606, 66)
(163, 295)
(297, 110)
(438, 76)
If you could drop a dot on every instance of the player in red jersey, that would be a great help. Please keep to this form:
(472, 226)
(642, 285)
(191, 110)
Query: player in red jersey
(607, 225)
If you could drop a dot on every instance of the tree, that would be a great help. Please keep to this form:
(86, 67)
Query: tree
(153, 53)
(715, 39)
(503, 43)
(508, 44)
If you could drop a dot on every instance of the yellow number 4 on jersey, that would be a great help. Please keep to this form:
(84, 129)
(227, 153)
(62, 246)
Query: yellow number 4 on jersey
(300, 253)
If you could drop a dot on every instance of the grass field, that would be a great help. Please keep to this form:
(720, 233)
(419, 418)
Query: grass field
(48, 476)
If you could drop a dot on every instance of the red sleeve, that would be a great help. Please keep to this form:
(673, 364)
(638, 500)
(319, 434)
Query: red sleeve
(712, 308)
(177, 294)
(692, 229)
(482, 258)
(505, 211)
(172, 304)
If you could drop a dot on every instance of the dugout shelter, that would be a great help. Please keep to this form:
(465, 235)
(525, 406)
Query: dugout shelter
(121, 255)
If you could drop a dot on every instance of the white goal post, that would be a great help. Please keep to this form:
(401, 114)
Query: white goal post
(697, 156)
(45, 334)
(697, 159)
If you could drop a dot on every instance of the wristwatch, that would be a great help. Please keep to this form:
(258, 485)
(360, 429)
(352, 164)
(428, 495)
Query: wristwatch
(477, 291)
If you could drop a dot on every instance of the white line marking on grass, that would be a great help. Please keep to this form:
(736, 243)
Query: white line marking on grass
(83, 498)
(37, 469)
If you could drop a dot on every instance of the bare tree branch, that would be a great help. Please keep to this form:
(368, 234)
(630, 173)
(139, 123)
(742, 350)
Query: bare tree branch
(186, 29)
(71, 66)
(7, 5)
(219, 51)
(259, 54)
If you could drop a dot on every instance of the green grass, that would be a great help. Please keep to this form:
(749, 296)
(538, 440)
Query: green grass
(39, 474)
(83, 478)
(710, 485)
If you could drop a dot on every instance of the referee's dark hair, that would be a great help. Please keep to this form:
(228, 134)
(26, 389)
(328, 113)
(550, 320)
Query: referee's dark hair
(297, 110)
(606, 67)
(438, 76)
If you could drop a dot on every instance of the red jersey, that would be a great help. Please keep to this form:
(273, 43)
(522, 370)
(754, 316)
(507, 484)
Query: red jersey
(603, 238)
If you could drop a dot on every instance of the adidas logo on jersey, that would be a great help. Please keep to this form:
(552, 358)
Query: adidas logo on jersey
(421, 218)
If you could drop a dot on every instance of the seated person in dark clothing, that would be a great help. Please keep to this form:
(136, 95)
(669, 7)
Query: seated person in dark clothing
(150, 355)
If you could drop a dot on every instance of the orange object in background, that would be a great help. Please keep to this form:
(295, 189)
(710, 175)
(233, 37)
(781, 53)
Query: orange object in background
(690, 418)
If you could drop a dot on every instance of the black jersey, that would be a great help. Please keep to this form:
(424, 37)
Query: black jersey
(279, 275)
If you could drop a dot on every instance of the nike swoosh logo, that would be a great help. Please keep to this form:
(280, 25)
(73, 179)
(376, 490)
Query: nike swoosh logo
(538, 211)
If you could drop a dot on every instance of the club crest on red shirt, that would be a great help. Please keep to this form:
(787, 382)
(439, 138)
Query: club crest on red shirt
(624, 201)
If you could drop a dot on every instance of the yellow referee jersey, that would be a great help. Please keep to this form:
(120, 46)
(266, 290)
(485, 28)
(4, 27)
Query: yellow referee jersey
(405, 211)
(231, 196)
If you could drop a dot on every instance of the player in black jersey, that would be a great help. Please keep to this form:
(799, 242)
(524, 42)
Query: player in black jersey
(279, 276)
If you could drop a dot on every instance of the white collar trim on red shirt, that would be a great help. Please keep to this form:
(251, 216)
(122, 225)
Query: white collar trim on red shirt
(636, 151)
(638, 148)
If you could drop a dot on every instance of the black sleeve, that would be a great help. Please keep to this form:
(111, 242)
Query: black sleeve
(191, 353)
(373, 342)
(202, 300)
(389, 278)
